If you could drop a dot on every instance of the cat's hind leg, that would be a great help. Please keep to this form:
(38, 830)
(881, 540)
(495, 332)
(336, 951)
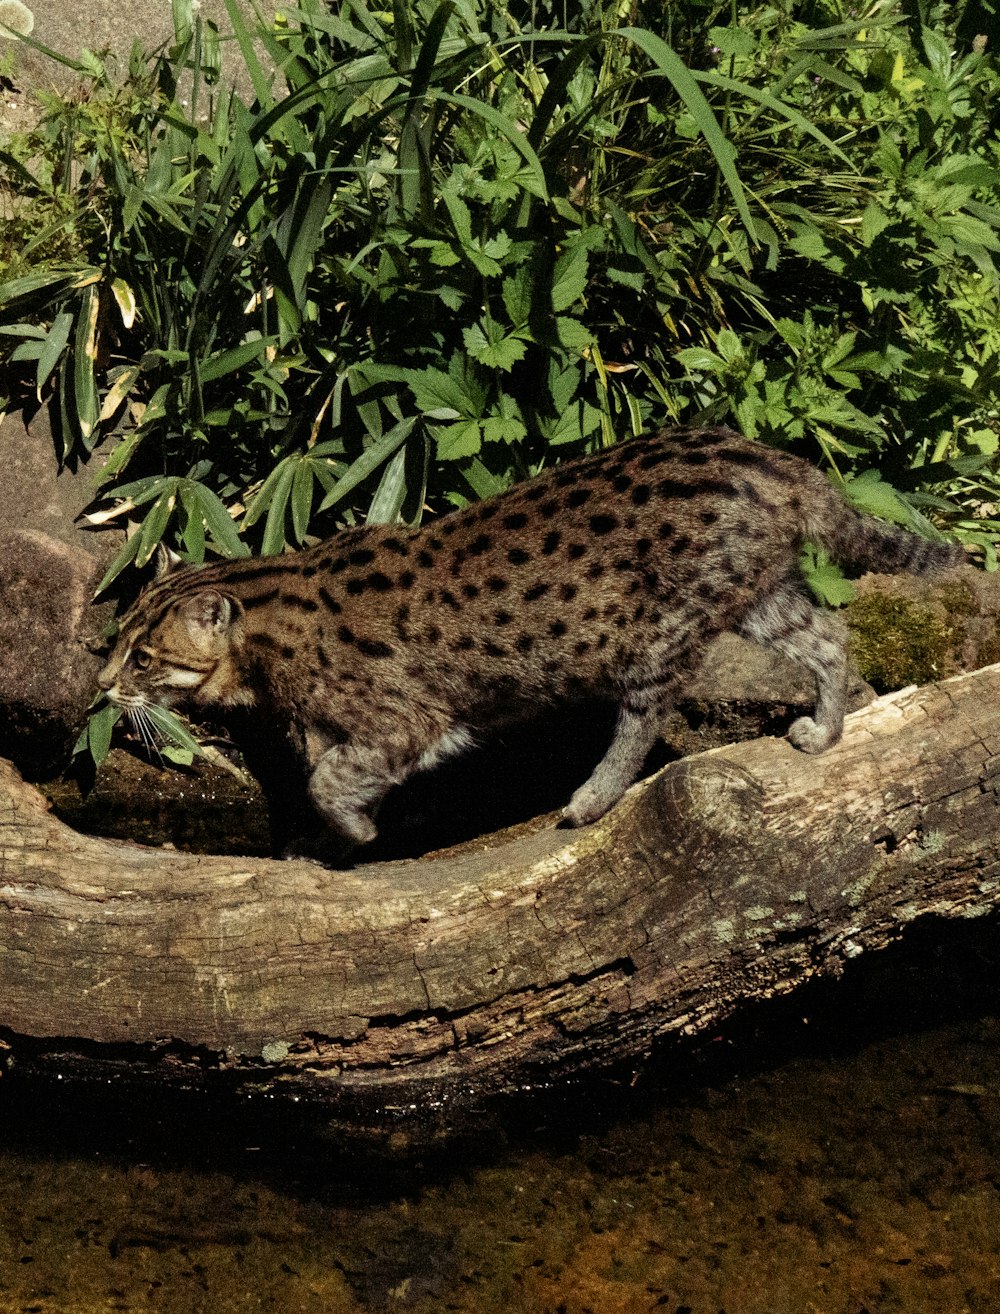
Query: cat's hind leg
(346, 786)
(790, 622)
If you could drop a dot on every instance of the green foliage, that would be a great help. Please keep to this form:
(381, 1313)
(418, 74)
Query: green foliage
(446, 243)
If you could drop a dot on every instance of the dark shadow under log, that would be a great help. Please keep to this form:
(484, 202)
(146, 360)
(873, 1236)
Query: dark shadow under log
(728, 877)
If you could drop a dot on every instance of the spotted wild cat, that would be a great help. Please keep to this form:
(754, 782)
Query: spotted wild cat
(384, 649)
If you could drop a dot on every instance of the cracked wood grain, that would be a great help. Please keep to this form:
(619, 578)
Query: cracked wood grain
(729, 876)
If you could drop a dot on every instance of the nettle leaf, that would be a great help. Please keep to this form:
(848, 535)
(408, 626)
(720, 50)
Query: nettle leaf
(433, 390)
(490, 347)
(504, 429)
(569, 278)
(516, 292)
(873, 222)
(457, 440)
(825, 578)
(573, 335)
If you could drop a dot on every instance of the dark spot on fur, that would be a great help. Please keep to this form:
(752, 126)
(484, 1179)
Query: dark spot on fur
(575, 551)
(502, 617)
(374, 648)
(464, 643)
(396, 545)
(345, 634)
(449, 600)
(287, 652)
(536, 591)
(551, 541)
(643, 547)
(496, 584)
(260, 599)
(407, 579)
(621, 482)
(295, 600)
(493, 649)
(641, 494)
(470, 591)
(708, 517)
(666, 529)
(479, 545)
(679, 545)
(525, 643)
(578, 497)
(361, 557)
(425, 558)
(557, 629)
(652, 459)
(516, 520)
(582, 647)
(568, 592)
(329, 601)
(595, 570)
(603, 524)
(518, 556)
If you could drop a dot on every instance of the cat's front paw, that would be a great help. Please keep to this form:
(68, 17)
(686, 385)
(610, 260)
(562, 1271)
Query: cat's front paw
(811, 737)
(586, 805)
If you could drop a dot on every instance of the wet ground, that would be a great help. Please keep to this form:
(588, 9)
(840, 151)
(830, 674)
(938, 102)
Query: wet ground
(831, 1154)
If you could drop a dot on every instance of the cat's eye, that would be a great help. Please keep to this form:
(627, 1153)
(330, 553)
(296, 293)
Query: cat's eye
(141, 658)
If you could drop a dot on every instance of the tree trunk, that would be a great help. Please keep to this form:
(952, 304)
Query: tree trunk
(727, 877)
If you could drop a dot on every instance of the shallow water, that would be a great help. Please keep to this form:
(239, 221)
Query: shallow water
(832, 1154)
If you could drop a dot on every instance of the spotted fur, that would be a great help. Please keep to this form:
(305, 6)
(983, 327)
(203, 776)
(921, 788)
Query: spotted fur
(386, 648)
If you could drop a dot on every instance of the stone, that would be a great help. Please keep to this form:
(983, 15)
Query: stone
(49, 569)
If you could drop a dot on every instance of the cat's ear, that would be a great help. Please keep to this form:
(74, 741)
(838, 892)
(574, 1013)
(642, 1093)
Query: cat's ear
(166, 560)
(208, 615)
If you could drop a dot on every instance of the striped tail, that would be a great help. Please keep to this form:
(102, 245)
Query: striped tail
(860, 542)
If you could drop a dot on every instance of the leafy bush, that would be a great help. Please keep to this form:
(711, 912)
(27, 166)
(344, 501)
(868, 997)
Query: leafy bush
(446, 243)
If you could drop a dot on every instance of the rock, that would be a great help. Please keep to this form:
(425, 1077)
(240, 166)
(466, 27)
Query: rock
(49, 569)
(47, 677)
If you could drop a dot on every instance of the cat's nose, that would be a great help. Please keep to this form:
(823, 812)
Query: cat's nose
(106, 679)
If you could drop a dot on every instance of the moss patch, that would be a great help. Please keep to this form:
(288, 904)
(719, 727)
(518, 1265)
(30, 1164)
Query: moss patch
(896, 642)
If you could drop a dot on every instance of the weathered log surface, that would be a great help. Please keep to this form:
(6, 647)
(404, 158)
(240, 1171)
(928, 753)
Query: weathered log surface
(727, 877)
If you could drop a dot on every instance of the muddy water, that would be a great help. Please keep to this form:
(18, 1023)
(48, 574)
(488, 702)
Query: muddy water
(833, 1154)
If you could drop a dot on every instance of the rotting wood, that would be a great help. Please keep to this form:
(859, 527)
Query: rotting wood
(727, 877)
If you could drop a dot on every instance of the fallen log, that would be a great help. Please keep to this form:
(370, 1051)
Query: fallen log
(727, 877)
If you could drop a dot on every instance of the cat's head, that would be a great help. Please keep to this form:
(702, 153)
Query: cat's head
(177, 643)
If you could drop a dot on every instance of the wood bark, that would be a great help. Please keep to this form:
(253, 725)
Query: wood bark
(727, 877)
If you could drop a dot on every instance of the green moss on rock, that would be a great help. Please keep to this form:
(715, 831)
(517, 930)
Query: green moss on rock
(896, 642)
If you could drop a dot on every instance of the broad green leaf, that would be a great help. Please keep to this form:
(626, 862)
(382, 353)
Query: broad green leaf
(569, 278)
(219, 522)
(873, 221)
(99, 730)
(172, 728)
(457, 440)
(495, 351)
(391, 492)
